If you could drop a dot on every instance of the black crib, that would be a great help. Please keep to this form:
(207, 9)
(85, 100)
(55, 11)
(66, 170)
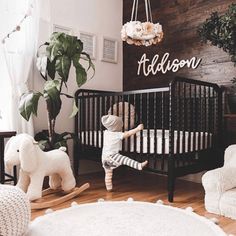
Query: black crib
(182, 126)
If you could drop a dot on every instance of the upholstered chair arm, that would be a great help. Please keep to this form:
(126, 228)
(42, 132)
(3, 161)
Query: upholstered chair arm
(219, 180)
(230, 156)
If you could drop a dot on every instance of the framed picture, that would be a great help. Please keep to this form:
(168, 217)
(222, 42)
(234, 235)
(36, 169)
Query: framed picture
(89, 43)
(109, 50)
(62, 29)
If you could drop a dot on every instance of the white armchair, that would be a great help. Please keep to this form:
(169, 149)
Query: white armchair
(220, 186)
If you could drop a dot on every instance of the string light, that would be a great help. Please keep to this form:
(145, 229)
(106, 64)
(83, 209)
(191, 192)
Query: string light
(18, 26)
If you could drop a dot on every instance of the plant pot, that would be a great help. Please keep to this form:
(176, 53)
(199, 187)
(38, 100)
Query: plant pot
(232, 103)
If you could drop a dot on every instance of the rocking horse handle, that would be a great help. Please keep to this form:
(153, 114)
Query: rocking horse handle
(76, 191)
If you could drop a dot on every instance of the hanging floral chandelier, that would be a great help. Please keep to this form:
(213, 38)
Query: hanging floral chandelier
(142, 33)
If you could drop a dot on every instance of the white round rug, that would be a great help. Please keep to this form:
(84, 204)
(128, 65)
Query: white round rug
(129, 218)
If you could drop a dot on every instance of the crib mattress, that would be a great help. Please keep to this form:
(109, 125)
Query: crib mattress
(146, 143)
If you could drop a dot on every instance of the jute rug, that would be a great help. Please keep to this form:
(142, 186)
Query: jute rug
(124, 218)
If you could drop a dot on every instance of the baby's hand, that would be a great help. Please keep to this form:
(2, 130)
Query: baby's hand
(140, 127)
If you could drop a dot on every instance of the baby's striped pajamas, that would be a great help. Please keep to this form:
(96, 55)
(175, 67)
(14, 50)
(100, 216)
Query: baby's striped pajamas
(115, 161)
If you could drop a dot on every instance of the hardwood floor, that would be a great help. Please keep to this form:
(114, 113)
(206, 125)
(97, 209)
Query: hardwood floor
(143, 186)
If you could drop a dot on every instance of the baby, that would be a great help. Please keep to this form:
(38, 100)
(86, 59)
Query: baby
(112, 144)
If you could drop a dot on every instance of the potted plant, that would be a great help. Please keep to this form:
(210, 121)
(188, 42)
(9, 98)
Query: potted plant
(221, 32)
(62, 52)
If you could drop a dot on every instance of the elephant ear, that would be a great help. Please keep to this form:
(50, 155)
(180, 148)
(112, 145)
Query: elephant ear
(8, 145)
(6, 151)
(28, 155)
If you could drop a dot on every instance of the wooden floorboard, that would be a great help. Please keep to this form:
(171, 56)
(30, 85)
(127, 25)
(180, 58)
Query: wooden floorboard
(143, 186)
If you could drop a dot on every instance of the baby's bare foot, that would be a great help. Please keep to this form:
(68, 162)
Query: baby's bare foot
(143, 164)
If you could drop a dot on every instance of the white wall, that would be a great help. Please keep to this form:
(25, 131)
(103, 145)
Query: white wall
(100, 17)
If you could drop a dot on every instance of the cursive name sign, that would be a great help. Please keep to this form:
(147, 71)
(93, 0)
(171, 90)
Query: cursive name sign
(164, 64)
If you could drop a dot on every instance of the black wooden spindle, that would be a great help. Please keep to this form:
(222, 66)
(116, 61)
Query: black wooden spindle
(147, 117)
(135, 122)
(103, 113)
(123, 118)
(129, 116)
(155, 120)
(190, 117)
(93, 120)
(141, 121)
(178, 121)
(163, 130)
(194, 117)
(200, 132)
(205, 117)
(118, 106)
(88, 120)
(184, 119)
(85, 119)
(98, 126)
(112, 104)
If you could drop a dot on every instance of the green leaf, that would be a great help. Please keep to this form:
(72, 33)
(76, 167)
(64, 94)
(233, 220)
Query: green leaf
(220, 30)
(29, 104)
(81, 74)
(87, 58)
(62, 67)
(51, 84)
(51, 68)
(79, 46)
(55, 36)
(52, 97)
(74, 110)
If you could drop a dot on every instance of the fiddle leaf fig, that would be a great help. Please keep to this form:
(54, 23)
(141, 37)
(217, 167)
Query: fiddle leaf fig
(62, 51)
(29, 104)
(90, 65)
(52, 97)
(62, 66)
(51, 68)
(81, 74)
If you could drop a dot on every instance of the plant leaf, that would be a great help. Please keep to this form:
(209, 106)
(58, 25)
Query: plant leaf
(81, 74)
(74, 110)
(51, 68)
(29, 104)
(88, 59)
(52, 97)
(62, 66)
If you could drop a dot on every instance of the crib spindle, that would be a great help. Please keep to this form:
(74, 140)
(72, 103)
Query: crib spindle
(141, 121)
(93, 120)
(163, 129)
(129, 116)
(135, 136)
(147, 117)
(200, 118)
(189, 114)
(155, 121)
(194, 117)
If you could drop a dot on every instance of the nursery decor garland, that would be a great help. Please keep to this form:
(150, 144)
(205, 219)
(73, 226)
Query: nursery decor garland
(141, 33)
(62, 51)
(18, 26)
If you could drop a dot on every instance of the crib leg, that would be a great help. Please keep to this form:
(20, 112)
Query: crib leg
(171, 188)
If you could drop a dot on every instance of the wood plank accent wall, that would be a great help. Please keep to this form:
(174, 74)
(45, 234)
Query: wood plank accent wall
(180, 19)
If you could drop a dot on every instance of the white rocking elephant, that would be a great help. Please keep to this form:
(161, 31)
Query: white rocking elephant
(35, 164)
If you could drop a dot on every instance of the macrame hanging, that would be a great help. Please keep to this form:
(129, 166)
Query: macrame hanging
(141, 33)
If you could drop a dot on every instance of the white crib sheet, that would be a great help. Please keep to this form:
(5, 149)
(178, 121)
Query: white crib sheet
(91, 139)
